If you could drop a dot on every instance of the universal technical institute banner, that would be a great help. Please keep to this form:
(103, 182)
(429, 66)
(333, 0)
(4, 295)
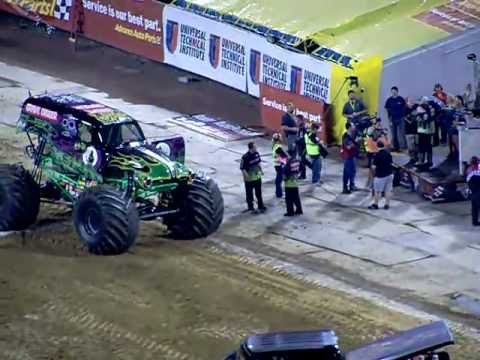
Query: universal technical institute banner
(205, 47)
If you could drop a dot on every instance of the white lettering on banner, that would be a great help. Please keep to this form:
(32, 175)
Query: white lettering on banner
(192, 42)
(274, 104)
(121, 15)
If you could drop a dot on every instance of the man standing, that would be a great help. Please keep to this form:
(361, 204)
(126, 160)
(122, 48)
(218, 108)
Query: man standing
(383, 180)
(314, 149)
(252, 176)
(292, 195)
(425, 129)
(473, 181)
(349, 152)
(396, 108)
(354, 110)
(289, 126)
(279, 160)
(301, 146)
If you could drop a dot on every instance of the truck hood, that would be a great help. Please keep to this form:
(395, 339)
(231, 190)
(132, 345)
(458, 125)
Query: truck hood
(148, 163)
(406, 344)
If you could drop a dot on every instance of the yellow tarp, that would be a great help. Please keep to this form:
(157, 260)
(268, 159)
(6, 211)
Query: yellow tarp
(360, 28)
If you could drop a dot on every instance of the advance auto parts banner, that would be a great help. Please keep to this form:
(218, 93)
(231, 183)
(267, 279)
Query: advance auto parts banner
(273, 105)
(205, 47)
(133, 26)
(283, 69)
(56, 13)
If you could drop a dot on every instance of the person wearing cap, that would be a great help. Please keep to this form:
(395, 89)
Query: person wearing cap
(292, 195)
(315, 150)
(383, 180)
(473, 181)
(251, 168)
(279, 160)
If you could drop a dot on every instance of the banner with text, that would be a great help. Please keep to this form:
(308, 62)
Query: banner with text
(56, 13)
(133, 26)
(205, 47)
(273, 105)
(286, 70)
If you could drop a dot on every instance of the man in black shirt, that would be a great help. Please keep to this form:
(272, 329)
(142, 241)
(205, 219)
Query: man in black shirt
(383, 180)
(289, 127)
(301, 147)
(252, 176)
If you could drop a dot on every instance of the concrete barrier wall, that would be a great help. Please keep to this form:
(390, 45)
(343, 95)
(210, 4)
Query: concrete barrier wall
(416, 73)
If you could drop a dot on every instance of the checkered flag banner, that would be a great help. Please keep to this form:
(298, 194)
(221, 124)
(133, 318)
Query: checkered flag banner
(62, 9)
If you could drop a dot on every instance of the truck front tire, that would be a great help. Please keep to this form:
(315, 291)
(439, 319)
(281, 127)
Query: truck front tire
(19, 198)
(106, 222)
(201, 211)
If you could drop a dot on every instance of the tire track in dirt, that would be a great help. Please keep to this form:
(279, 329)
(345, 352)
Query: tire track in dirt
(282, 291)
(75, 313)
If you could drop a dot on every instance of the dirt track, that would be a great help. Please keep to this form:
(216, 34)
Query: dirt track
(164, 300)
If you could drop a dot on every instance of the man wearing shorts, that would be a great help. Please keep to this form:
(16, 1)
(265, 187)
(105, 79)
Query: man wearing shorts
(383, 180)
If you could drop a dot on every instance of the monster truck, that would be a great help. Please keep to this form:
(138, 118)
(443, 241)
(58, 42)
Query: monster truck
(97, 160)
(422, 342)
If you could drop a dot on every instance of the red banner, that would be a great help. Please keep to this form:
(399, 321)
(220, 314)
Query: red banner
(133, 26)
(273, 105)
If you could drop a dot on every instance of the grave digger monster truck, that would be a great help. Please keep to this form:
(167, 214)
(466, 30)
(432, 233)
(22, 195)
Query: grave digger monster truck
(97, 160)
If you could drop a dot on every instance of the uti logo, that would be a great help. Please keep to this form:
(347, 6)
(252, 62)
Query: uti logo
(172, 36)
(214, 51)
(296, 77)
(255, 63)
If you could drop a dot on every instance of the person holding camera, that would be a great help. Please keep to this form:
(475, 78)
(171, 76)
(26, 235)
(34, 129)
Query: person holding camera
(301, 146)
(374, 134)
(315, 151)
(426, 130)
(411, 132)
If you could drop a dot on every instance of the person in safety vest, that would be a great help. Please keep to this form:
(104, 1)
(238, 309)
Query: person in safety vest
(292, 195)
(473, 181)
(252, 176)
(315, 150)
(279, 160)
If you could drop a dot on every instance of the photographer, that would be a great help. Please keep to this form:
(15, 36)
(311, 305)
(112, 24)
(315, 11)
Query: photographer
(426, 130)
(411, 133)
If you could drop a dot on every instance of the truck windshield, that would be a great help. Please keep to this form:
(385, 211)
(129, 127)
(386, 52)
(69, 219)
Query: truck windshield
(123, 134)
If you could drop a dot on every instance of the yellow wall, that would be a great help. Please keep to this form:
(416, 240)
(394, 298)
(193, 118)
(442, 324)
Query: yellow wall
(369, 73)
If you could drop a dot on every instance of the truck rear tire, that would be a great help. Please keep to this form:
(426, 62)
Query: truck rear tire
(106, 222)
(201, 211)
(19, 198)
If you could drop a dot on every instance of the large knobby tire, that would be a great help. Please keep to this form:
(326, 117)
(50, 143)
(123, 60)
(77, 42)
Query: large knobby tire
(19, 198)
(106, 222)
(201, 212)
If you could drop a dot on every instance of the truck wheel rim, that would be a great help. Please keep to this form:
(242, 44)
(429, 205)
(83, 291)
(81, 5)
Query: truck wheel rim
(92, 222)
